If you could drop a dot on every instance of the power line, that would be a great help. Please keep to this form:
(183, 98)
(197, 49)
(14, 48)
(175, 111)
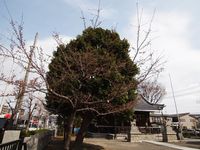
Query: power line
(187, 89)
(184, 94)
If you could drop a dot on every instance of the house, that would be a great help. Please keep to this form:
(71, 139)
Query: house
(197, 117)
(143, 127)
(187, 121)
(143, 109)
(140, 128)
(5, 109)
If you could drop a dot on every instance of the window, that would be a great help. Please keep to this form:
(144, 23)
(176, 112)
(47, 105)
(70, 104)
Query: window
(175, 119)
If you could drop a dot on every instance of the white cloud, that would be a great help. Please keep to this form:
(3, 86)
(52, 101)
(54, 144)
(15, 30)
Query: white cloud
(49, 44)
(91, 7)
(172, 30)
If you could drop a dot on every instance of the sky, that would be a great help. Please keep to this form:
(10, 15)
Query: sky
(175, 34)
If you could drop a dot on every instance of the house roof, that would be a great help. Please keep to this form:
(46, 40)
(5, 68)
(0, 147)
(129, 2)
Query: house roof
(171, 115)
(195, 115)
(180, 114)
(143, 105)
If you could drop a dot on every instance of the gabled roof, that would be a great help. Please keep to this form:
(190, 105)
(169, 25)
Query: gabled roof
(171, 115)
(143, 105)
(180, 114)
(195, 115)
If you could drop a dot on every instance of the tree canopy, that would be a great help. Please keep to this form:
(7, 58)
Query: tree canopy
(92, 73)
(94, 70)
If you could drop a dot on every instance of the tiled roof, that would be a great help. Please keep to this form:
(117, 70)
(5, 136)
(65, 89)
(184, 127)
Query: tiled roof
(170, 115)
(143, 105)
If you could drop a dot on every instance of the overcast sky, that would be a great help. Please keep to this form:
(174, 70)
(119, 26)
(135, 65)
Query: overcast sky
(176, 26)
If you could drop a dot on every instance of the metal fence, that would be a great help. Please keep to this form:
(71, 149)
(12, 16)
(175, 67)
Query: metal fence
(127, 129)
(112, 129)
(14, 145)
(150, 130)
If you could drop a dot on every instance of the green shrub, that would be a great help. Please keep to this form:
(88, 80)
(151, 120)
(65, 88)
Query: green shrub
(29, 133)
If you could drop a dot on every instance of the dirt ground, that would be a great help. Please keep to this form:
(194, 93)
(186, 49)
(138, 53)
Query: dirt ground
(103, 144)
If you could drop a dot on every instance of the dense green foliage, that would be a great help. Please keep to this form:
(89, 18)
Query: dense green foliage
(94, 67)
(29, 133)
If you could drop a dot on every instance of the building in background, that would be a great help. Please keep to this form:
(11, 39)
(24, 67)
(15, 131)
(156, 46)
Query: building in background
(187, 120)
(5, 109)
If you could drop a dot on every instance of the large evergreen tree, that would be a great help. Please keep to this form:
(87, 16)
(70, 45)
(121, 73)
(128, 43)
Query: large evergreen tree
(92, 73)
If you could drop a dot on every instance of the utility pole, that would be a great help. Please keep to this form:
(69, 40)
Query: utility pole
(179, 123)
(23, 85)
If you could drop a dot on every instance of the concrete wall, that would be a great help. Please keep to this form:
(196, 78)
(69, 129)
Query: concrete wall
(136, 135)
(142, 137)
(10, 135)
(38, 141)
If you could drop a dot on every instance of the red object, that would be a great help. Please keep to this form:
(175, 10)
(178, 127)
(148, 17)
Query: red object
(7, 116)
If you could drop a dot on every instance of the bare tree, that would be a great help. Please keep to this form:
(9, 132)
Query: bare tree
(147, 59)
(152, 92)
(31, 106)
(24, 57)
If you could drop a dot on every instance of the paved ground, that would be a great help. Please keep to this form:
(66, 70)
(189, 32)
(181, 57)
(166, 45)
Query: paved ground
(55, 144)
(175, 145)
(103, 144)
(119, 145)
(193, 143)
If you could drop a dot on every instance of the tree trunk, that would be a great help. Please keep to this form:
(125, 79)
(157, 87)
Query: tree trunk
(164, 133)
(82, 132)
(129, 133)
(28, 123)
(64, 127)
(27, 126)
(68, 130)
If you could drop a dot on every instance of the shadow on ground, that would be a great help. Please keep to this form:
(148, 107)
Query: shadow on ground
(58, 144)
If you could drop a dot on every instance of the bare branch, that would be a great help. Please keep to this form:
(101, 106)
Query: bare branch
(84, 19)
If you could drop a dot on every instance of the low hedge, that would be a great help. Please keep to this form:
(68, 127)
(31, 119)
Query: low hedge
(29, 133)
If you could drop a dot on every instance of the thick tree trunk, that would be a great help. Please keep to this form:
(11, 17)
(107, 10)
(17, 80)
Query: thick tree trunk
(82, 132)
(68, 130)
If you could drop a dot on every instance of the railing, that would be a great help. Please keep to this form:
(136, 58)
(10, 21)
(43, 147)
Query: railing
(175, 124)
(113, 129)
(150, 130)
(14, 145)
(127, 129)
